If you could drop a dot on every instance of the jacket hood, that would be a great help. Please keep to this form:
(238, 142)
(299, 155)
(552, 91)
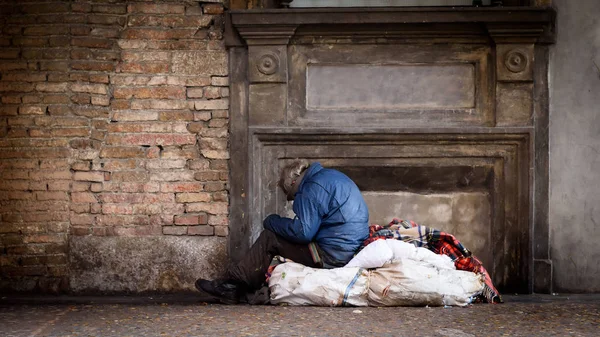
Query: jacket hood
(310, 171)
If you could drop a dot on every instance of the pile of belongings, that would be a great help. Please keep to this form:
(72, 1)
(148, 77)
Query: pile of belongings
(401, 264)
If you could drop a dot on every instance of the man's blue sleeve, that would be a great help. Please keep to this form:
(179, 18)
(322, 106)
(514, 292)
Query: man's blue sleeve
(301, 229)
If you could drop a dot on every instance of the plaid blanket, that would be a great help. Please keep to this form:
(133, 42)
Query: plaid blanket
(439, 243)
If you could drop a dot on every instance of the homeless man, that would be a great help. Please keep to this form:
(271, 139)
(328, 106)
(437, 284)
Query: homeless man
(331, 223)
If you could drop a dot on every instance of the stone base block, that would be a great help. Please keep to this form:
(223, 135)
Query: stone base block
(143, 264)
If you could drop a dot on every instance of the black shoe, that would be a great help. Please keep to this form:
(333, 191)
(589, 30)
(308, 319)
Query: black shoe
(227, 291)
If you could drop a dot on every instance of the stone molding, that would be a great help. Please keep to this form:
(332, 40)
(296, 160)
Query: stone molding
(502, 24)
(504, 153)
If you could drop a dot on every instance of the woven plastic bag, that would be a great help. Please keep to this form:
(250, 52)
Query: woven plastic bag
(408, 282)
(295, 284)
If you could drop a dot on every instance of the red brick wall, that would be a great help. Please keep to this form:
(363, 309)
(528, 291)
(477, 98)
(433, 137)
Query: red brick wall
(113, 122)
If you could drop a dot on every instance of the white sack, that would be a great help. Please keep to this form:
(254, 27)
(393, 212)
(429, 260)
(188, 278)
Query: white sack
(295, 284)
(407, 282)
(401, 249)
(374, 255)
(380, 252)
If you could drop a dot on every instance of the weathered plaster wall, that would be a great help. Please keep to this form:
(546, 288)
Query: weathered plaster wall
(113, 144)
(575, 147)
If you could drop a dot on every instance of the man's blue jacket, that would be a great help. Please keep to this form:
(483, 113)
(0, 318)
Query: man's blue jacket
(330, 210)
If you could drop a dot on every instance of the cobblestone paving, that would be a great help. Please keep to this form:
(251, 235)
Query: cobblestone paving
(525, 316)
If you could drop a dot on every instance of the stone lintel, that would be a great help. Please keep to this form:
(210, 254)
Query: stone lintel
(503, 24)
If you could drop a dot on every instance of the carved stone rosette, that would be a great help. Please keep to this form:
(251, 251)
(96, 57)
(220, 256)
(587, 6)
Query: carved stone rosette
(267, 64)
(514, 62)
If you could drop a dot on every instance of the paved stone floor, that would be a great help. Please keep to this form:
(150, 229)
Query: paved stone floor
(532, 315)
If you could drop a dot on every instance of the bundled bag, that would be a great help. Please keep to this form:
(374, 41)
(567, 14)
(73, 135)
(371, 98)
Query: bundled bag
(439, 243)
(407, 282)
(404, 275)
(295, 284)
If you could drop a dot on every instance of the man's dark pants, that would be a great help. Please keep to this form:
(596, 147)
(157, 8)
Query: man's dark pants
(252, 268)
